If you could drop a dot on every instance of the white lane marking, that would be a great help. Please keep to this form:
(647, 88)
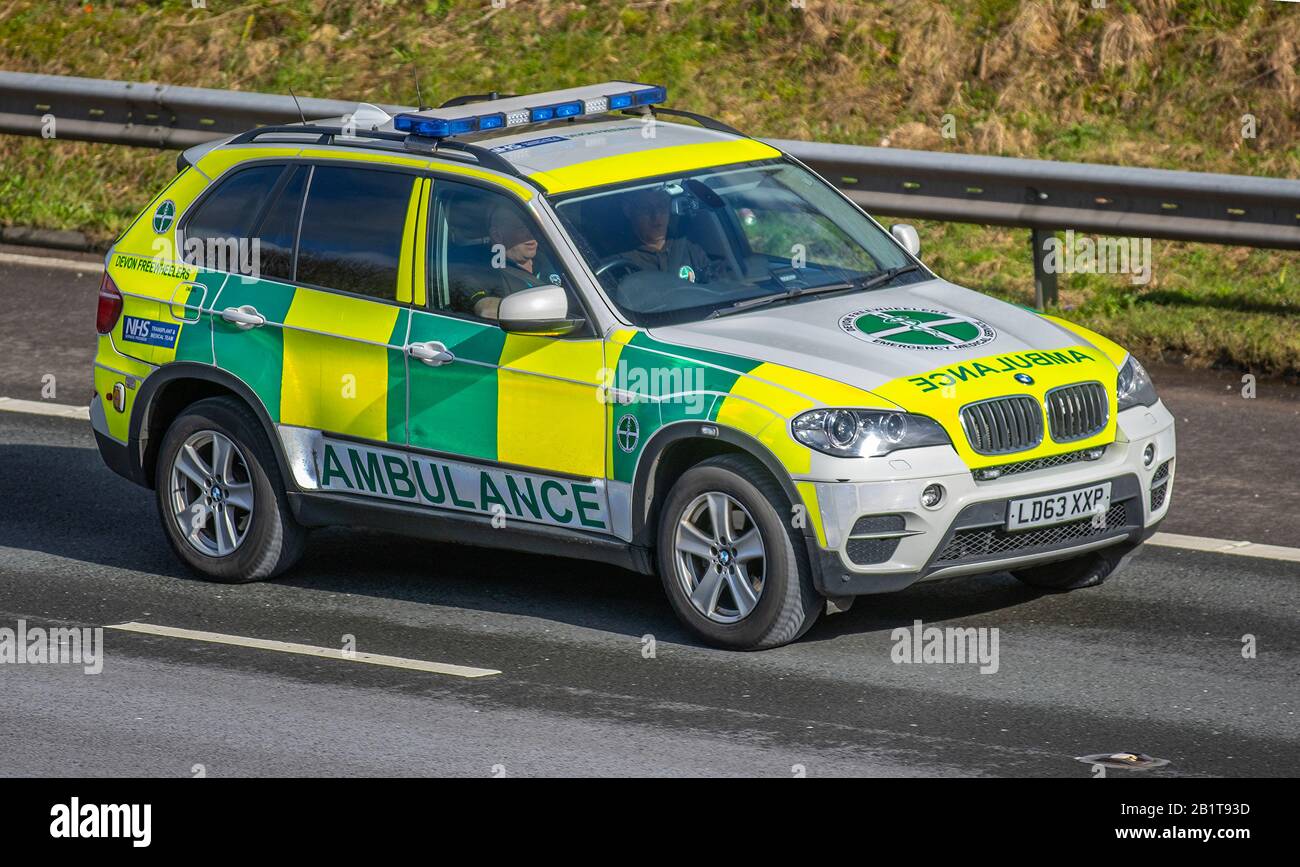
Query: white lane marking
(305, 650)
(1226, 546)
(40, 407)
(42, 262)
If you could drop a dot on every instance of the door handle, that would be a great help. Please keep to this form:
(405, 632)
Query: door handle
(433, 353)
(245, 317)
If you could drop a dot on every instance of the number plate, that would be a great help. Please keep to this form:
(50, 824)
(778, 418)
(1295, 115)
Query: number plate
(1058, 508)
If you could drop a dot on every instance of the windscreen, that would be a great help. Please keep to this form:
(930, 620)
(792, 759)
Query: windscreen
(681, 249)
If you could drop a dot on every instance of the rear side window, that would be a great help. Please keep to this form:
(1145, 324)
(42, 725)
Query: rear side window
(352, 225)
(227, 216)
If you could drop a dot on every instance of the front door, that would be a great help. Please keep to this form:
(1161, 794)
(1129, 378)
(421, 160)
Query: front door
(512, 424)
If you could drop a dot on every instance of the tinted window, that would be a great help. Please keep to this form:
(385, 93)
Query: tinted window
(352, 228)
(213, 233)
(280, 226)
(486, 247)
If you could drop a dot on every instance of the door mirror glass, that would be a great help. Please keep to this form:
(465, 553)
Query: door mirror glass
(539, 310)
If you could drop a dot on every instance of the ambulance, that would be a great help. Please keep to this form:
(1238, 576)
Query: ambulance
(583, 324)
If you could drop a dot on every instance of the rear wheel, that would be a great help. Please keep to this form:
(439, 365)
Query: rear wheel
(220, 498)
(734, 569)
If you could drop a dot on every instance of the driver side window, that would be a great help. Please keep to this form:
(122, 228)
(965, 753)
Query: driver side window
(485, 246)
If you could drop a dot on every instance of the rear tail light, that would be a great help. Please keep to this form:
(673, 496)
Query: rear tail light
(110, 305)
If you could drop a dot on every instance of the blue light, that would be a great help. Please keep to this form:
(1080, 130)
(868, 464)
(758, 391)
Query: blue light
(650, 96)
(431, 127)
(568, 109)
(537, 115)
(462, 125)
(621, 100)
(492, 121)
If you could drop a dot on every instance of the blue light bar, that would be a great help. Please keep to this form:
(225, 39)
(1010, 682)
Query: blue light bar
(593, 100)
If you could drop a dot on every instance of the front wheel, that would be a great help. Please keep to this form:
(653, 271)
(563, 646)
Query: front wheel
(734, 569)
(220, 498)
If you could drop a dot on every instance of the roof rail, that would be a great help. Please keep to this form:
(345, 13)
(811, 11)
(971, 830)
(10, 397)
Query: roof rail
(488, 159)
(326, 133)
(703, 120)
(475, 97)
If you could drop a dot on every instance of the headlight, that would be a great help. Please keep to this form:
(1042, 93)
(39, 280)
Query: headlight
(1134, 388)
(865, 433)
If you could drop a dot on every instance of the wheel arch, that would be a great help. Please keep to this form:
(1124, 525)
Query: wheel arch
(676, 448)
(169, 390)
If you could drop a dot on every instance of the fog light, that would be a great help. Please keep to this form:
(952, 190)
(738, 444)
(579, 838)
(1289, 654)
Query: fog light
(932, 496)
(1149, 455)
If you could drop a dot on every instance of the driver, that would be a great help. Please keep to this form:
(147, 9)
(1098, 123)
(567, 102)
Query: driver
(647, 211)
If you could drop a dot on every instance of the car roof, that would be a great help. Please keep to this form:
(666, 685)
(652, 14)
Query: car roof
(560, 156)
(591, 152)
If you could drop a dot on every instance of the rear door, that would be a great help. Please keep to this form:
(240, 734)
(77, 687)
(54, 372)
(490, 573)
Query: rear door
(317, 324)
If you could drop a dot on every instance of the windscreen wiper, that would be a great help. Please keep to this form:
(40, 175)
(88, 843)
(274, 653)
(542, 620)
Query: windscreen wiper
(873, 282)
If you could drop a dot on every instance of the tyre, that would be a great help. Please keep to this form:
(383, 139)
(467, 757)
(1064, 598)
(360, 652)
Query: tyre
(1088, 570)
(220, 495)
(734, 569)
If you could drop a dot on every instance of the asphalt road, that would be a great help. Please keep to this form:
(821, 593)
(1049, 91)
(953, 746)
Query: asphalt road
(1149, 662)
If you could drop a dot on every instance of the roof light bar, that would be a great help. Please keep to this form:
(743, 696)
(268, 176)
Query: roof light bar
(519, 111)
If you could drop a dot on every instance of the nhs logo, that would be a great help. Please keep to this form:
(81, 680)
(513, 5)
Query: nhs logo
(149, 331)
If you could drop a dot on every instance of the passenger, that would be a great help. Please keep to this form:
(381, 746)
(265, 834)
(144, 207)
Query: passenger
(509, 233)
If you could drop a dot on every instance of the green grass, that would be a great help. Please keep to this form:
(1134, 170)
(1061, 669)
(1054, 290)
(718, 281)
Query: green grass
(1141, 82)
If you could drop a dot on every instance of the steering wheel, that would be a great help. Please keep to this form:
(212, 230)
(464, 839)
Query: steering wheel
(615, 262)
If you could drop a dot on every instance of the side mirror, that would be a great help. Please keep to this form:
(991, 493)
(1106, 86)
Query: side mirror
(539, 310)
(906, 235)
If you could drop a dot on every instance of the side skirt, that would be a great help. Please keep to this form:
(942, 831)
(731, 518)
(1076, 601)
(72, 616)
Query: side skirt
(317, 509)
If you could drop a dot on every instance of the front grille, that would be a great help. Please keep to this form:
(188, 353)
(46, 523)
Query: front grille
(1046, 463)
(1160, 485)
(993, 541)
(1076, 412)
(1003, 425)
(869, 541)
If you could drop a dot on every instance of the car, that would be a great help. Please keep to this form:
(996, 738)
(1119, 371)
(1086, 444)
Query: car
(580, 323)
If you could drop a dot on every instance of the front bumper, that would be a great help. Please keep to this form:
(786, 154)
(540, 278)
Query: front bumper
(876, 537)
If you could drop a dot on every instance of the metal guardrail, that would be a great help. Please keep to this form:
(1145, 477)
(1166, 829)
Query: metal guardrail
(1040, 195)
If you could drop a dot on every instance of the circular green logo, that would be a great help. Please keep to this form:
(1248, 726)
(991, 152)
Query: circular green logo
(916, 328)
(686, 272)
(628, 431)
(163, 217)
